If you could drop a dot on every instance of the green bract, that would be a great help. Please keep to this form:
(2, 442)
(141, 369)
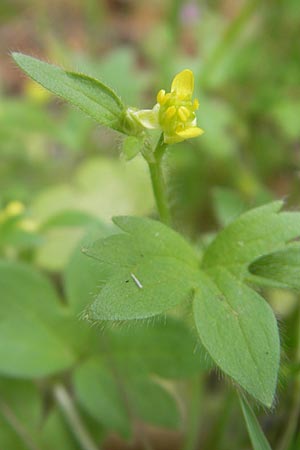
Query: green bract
(151, 269)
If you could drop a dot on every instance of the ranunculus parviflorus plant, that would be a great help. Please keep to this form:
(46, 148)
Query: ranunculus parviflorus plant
(150, 268)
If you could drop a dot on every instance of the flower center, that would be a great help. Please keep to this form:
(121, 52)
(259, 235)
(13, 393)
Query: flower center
(175, 112)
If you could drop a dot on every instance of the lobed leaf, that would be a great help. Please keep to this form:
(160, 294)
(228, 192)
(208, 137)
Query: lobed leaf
(84, 277)
(280, 269)
(143, 290)
(254, 234)
(90, 95)
(153, 270)
(239, 331)
(146, 237)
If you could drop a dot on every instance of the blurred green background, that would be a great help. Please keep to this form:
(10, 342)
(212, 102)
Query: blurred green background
(59, 171)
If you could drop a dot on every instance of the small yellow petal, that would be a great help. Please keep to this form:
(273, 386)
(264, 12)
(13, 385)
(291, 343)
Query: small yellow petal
(190, 132)
(171, 111)
(183, 84)
(183, 113)
(161, 96)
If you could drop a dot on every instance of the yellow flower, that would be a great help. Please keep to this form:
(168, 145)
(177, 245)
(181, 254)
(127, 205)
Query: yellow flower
(174, 112)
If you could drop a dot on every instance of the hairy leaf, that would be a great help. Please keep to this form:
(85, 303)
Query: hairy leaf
(256, 233)
(153, 270)
(84, 277)
(90, 95)
(281, 268)
(238, 329)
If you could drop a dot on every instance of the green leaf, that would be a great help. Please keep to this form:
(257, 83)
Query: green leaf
(84, 276)
(282, 269)
(167, 348)
(256, 233)
(115, 401)
(90, 95)
(228, 205)
(148, 236)
(154, 269)
(31, 325)
(152, 403)
(238, 329)
(99, 394)
(257, 437)
(69, 218)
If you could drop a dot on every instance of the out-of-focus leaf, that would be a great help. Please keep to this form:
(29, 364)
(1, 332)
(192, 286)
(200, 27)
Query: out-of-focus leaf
(167, 348)
(228, 205)
(286, 117)
(69, 218)
(54, 433)
(98, 393)
(115, 401)
(30, 342)
(20, 402)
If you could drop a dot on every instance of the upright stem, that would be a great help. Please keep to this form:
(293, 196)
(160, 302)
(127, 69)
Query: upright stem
(158, 182)
(67, 407)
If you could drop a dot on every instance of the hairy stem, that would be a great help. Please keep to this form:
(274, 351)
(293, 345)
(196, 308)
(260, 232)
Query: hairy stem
(68, 409)
(158, 182)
